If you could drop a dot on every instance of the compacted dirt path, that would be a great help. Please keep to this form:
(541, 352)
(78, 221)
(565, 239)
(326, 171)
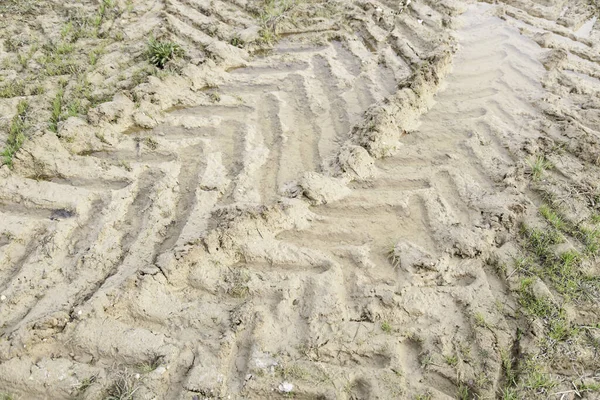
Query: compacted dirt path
(381, 206)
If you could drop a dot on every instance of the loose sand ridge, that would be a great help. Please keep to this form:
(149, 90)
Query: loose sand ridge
(355, 213)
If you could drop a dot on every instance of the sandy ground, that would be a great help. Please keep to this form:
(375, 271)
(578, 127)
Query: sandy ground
(320, 200)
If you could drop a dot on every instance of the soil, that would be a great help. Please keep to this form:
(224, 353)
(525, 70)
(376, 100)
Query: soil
(317, 200)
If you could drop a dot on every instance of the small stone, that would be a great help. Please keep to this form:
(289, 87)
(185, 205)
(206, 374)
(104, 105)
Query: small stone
(2, 298)
(286, 387)
(79, 312)
(137, 376)
(160, 370)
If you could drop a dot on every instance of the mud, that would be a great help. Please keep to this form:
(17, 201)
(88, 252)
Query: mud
(338, 200)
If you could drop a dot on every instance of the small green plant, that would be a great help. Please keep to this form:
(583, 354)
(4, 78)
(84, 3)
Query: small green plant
(386, 327)
(236, 41)
(150, 365)
(510, 374)
(83, 386)
(13, 89)
(64, 48)
(451, 360)
(16, 133)
(270, 15)
(540, 241)
(537, 380)
(13, 44)
(590, 238)
(480, 321)
(55, 111)
(426, 360)
(510, 394)
(23, 60)
(161, 52)
(393, 257)
(552, 217)
(463, 392)
(541, 308)
(424, 396)
(538, 165)
(151, 143)
(66, 30)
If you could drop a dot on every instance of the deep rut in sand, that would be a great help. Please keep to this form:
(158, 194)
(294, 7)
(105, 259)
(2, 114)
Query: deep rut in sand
(312, 218)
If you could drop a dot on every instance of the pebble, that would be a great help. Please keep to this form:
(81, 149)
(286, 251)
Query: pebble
(2, 298)
(286, 387)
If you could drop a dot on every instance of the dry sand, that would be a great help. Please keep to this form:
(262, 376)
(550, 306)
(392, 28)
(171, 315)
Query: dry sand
(396, 200)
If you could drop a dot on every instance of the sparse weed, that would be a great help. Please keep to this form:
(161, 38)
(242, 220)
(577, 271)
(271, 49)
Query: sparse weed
(563, 270)
(293, 372)
(14, 88)
(66, 30)
(161, 52)
(236, 41)
(537, 380)
(238, 281)
(510, 374)
(125, 165)
(424, 396)
(150, 365)
(23, 59)
(56, 64)
(151, 143)
(538, 165)
(393, 256)
(539, 241)
(386, 327)
(55, 111)
(38, 89)
(510, 394)
(552, 217)
(16, 133)
(480, 321)
(124, 387)
(13, 44)
(590, 238)
(451, 360)
(270, 15)
(589, 387)
(541, 308)
(426, 360)
(64, 48)
(463, 392)
(83, 386)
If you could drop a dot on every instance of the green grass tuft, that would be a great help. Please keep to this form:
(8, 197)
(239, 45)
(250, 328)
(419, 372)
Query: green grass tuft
(14, 89)
(161, 52)
(538, 165)
(16, 133)
(55, 111)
